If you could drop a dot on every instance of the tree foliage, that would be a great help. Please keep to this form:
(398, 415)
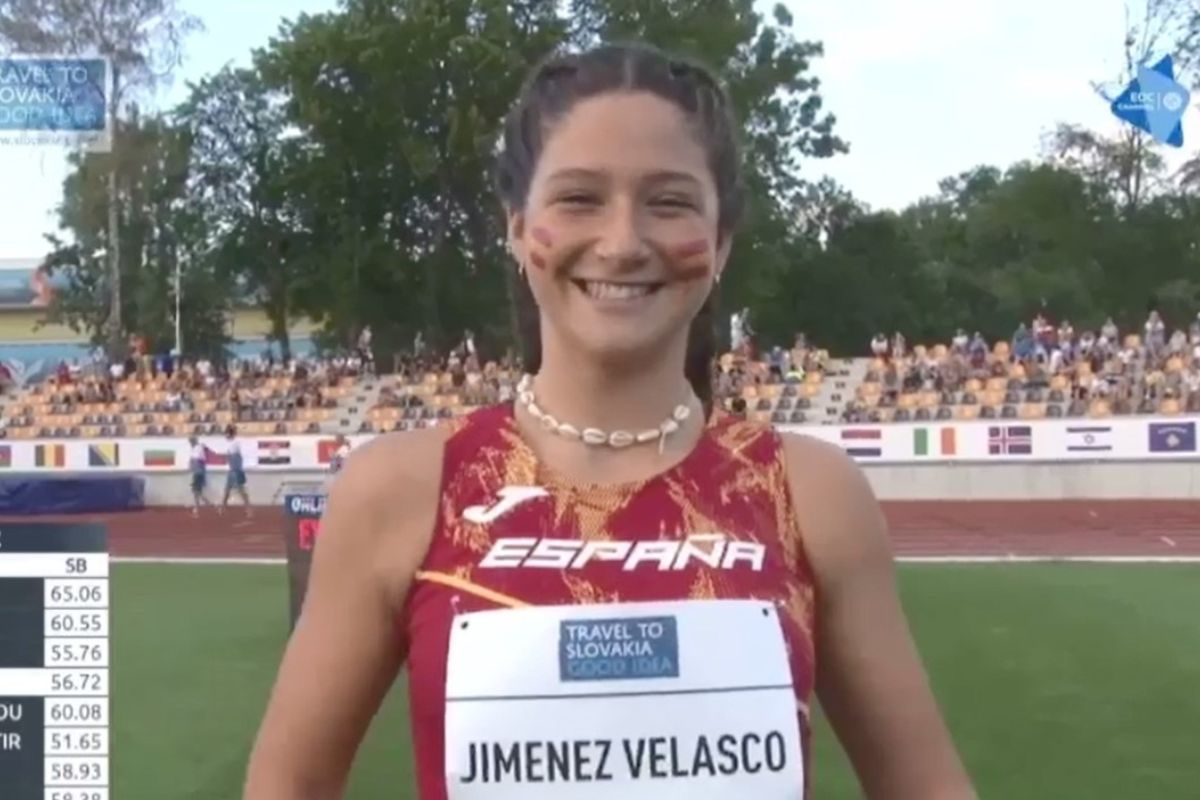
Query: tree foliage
(344, 176)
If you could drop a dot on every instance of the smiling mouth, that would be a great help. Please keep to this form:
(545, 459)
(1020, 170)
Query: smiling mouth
(607, 290)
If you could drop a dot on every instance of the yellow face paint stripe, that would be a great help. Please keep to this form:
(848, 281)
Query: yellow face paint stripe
(470, 587)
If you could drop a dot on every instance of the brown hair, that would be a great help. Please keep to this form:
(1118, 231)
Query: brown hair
(563, 80)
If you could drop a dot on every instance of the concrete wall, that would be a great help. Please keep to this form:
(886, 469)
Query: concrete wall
(1174, 480)
(1109, 480)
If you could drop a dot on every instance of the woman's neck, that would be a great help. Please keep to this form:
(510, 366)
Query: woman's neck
(589, 396)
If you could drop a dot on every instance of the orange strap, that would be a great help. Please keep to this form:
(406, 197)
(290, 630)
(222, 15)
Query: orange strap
(470, 587)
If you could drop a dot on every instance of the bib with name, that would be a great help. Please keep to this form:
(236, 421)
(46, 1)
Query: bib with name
(653, 700)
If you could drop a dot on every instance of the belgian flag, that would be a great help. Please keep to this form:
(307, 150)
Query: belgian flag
(50, 455)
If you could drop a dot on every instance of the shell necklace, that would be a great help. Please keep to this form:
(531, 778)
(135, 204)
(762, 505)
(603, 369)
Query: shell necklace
(595, 436)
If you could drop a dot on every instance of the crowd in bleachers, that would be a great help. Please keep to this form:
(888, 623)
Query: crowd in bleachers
(1044, 371)
(165, 396)
(778, 386)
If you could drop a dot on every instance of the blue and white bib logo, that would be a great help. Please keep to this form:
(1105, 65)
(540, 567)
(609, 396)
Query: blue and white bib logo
(618, 649)
(1155, 102)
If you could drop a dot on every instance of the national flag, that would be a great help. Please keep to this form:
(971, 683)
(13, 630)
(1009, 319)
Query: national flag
(214, 459)
(158, 458)
(1089, 438)
(326, 450)
(948, 442)
(5, 455)
(276, 452)
(105, 454)
(1172, 437)
(850, 436)
(1014, 440)
(50, 455)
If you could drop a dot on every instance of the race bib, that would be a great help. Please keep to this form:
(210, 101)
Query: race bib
(689, 699)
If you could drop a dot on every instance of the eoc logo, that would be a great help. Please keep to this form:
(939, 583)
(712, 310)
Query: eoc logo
(618, 649)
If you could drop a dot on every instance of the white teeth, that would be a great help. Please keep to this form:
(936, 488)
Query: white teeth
(616, 291)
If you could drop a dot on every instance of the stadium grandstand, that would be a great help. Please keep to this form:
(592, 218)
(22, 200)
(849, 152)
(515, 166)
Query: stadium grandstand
(1045, 371)
(56, 387)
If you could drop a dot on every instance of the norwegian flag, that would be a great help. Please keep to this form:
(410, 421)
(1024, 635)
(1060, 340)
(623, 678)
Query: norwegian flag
(1016, 440)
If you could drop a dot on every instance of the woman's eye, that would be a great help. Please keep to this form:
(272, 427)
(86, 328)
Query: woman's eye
(673, 202)
(577, 199)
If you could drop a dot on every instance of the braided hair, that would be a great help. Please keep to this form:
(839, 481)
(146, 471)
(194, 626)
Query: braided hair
(559, 82)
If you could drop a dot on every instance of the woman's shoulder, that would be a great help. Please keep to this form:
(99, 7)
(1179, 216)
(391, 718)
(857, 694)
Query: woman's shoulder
(394, 476)
(837, 512)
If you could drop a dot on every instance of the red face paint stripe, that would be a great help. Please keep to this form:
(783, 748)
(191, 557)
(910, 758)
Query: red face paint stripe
(542, 237)
(537, 260)
(691, 249)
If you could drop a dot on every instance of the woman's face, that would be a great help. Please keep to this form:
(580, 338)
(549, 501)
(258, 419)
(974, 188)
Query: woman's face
(619, 233)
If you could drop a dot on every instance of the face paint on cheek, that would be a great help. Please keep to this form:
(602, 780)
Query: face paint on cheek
(690, 261)
(544, 240)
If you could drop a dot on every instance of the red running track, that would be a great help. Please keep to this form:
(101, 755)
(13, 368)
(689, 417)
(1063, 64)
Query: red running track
(1129, 528)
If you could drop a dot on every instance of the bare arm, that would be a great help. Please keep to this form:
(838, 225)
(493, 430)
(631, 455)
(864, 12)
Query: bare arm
(346, 649)
(870, 679)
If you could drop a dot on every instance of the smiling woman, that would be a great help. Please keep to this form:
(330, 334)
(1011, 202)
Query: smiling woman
(583, 615)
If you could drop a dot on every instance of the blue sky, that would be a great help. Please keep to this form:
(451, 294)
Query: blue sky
(921, 89)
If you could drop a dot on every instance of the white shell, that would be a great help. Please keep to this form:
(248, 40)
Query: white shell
(620, 438)
(595, 436)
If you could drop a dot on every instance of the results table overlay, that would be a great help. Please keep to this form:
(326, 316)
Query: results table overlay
(54, 661)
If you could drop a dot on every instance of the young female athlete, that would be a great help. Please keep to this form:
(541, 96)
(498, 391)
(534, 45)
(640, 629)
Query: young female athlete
(605, 589)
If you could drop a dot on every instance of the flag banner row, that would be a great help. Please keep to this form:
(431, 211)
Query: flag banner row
(150, 455)
(1132, 439)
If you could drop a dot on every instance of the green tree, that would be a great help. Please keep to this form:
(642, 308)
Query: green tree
(159, 235)
(398, 106)
(241, 158)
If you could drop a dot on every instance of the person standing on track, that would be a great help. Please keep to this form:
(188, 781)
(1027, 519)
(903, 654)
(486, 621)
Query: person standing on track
(341, 452)
(609, 523)
(198, 466)
(235, 480)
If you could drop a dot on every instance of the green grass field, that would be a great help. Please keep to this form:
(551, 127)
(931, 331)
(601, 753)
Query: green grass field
(1058, 680)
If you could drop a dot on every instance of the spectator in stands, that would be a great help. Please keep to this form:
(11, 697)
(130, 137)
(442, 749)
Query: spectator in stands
(1156, 334)
(1177, 346)
(1066, 332)
(1109, 332)
(899, 346)
(1022, 343)
(958, 344)
(879, 346)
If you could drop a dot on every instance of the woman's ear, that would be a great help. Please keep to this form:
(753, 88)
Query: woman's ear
(516, 235)
(723, 248)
